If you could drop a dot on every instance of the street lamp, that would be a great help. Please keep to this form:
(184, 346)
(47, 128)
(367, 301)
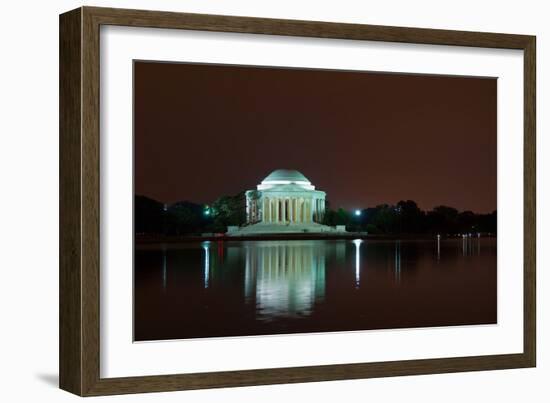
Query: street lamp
(357, 213)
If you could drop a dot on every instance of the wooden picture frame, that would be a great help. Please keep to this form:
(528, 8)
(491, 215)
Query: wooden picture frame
(80, 184)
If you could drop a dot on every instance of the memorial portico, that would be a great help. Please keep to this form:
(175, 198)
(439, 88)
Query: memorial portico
(284, 202)
(285, 197)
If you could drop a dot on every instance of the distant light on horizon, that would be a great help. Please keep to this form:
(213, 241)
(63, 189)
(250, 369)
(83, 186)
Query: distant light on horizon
(358, 212)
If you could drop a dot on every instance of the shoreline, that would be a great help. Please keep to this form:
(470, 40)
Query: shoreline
(155, 239)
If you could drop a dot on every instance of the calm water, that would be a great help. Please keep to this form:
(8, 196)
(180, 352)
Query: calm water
(237, 288)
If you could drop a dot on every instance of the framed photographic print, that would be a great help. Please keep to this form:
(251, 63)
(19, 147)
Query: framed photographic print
(251, 201)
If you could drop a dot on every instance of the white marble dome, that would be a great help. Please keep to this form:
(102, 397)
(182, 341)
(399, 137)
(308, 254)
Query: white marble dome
(285, 177)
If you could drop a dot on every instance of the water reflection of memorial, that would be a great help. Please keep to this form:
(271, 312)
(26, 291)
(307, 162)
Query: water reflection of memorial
(232, 288)
(284, 278)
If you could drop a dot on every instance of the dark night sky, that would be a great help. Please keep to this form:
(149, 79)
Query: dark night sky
(202, 131)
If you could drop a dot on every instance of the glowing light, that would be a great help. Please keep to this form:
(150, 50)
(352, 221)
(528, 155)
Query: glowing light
(357, 213)
(206, 247)
(357, 243)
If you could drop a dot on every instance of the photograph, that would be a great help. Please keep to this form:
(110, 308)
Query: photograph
(257, 198)
(273, 200)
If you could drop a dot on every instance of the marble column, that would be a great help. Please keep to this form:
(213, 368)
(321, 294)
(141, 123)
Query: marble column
(318, 210)
(291, 210)
(284, 211)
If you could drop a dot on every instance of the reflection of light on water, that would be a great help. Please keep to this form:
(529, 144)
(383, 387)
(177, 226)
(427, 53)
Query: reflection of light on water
(468, 247)
(341, 252)
(206, 247)
(284, 278)
(357, 243)
(397, 270)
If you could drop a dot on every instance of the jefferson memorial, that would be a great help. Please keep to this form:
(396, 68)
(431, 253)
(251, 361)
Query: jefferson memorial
(284, 202)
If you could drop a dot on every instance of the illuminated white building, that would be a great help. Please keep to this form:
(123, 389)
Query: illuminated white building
(285, 197)
(284, 202)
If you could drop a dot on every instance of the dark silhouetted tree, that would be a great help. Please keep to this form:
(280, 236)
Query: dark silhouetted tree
(185, 217)
(443, 220)
(148, 215)
(386, 218)
(409, 217)
(228, 210)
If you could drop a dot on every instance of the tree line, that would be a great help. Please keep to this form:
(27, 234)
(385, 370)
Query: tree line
(185, 217)
(405, 217)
